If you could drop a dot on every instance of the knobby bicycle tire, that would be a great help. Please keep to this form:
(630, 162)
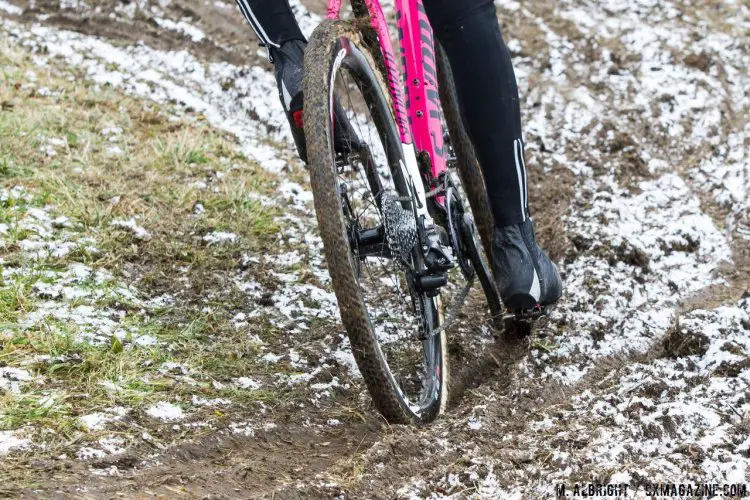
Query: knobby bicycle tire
(472, 182)
(323, 54)
(468, 169)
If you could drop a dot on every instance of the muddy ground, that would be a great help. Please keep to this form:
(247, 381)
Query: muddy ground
(636, 120)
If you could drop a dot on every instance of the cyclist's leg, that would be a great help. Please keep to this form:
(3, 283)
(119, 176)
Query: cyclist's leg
(274, 23)
(272, 20)
(488, 95)
(487, 91)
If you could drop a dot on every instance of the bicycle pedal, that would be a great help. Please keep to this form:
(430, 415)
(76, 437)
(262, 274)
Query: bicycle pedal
(528, 315)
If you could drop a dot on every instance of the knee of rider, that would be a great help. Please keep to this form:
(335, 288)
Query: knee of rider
(452, 20)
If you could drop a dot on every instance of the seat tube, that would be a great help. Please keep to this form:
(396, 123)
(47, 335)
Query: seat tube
(401, 114)
(420, 74)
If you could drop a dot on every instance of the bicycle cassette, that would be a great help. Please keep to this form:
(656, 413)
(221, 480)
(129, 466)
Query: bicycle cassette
(400, 227)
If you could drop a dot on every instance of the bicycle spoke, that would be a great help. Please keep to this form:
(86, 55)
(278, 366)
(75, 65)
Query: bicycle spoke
(392, 306)
(383, 307)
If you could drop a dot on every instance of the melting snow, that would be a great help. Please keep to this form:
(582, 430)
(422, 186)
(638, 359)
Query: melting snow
(98, 421)
(182, 27)
(232, 98)
(11, 379)
(166, 411)
(10, 8)
(199, 401)
(131, 225)
(299, 196)
(245, 428)
(9, 441)
(218, 237)
(247, 383)
(107, 446)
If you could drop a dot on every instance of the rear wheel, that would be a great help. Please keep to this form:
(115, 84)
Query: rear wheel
(473, 187)
(364, 206)
(467, 165)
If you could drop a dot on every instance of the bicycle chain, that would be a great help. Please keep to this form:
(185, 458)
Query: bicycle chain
(453, 310)
(434, 192)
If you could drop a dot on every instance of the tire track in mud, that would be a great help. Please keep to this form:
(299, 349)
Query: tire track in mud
(221, 466)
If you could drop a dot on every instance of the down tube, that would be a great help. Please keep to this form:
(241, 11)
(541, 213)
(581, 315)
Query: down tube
(420, 70)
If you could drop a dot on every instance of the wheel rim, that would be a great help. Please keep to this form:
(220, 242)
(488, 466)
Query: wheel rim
(398, 314)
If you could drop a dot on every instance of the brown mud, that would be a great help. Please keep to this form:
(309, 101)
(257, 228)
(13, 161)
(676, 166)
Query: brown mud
(228, 38)
(364, 455)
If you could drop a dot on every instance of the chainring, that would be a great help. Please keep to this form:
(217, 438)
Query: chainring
(457, 229)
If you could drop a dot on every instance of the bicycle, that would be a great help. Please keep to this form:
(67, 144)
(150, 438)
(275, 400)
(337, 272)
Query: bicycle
(391, 217)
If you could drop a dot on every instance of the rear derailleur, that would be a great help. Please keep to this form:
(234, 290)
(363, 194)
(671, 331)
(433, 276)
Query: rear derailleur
(438, 259)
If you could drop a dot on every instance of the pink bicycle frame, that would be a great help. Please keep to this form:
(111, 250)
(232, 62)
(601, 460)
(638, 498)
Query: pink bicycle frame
(423, 128)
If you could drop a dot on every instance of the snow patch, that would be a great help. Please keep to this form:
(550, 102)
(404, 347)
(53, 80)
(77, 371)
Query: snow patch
(12, 378)
(166, 411)
(183, 27)
(219, 237)
(97, 421)
(131, 225)
(10, 8)
(10, 441)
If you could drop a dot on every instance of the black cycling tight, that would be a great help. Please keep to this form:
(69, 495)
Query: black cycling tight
(469, 32)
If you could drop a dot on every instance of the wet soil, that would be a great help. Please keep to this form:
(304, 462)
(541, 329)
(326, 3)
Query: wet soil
(365, 456)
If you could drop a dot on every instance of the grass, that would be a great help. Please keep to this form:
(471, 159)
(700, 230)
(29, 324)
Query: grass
(14, 300)
(94, 156)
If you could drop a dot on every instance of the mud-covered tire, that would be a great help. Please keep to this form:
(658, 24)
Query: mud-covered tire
(472, 180)
(320, 64)
(468, 169)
